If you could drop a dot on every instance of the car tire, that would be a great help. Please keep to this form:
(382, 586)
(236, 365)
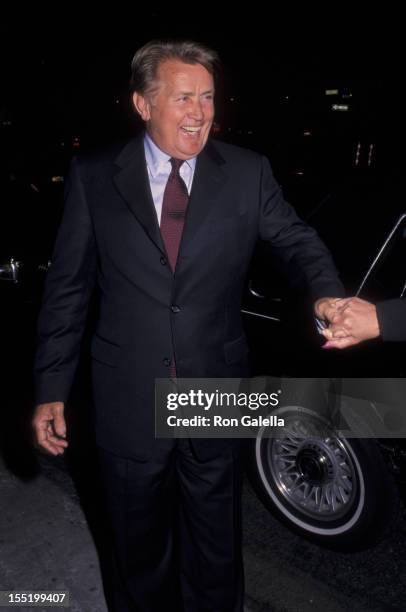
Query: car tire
(333, 490)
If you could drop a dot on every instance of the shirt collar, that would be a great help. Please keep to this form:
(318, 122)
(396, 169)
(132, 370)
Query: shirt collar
(157, 160)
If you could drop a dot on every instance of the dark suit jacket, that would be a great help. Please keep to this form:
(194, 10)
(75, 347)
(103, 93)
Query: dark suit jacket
(392, 319)
(109, 235)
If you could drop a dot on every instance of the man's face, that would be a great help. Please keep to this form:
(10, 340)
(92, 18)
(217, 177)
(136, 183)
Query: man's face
(179, 114)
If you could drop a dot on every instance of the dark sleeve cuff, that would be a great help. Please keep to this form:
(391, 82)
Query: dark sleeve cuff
(392, 320)
(331, 290)
(52, 389)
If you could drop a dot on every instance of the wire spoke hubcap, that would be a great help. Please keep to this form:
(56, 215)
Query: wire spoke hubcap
(313, 469)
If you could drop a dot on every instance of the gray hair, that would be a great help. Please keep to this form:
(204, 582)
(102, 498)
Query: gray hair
(146, 61)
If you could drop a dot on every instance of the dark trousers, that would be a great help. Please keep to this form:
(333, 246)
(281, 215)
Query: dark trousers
(176, 525)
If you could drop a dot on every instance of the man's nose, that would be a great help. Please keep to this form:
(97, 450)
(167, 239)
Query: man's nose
(196, 110)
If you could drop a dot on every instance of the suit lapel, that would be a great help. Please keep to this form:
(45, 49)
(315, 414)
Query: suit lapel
(208, 181)
(133, 184)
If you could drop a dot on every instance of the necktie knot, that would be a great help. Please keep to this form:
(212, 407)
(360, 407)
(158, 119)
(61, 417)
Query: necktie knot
(176, 164)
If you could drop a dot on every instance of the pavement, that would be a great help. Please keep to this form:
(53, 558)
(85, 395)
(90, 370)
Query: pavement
(45, 540)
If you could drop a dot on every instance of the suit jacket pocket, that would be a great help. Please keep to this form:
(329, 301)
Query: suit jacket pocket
(236, 350)
(104, 351)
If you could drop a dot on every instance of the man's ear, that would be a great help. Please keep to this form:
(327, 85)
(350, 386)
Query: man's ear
(142, 106)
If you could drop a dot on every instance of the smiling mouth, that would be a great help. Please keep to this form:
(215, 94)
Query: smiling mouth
(191, 130)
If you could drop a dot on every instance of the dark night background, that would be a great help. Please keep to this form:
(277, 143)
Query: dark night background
(64, 76)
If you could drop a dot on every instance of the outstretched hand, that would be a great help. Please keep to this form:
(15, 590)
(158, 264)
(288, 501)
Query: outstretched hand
(351, 321)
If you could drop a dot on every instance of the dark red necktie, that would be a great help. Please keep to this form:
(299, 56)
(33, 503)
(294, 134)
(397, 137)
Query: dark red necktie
(174, 206)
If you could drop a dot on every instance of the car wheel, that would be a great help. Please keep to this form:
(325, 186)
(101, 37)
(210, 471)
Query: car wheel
(337, 491)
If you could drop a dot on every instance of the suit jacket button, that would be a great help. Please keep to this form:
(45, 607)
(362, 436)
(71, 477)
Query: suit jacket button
(175, 309)
(163, 261)
(167, 361)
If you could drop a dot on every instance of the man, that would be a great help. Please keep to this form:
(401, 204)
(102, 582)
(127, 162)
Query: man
(354, 320)
(166, 228)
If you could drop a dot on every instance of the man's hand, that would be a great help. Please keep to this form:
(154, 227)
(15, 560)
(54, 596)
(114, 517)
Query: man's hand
(50, 428)
(326, 308)
(353, 321)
